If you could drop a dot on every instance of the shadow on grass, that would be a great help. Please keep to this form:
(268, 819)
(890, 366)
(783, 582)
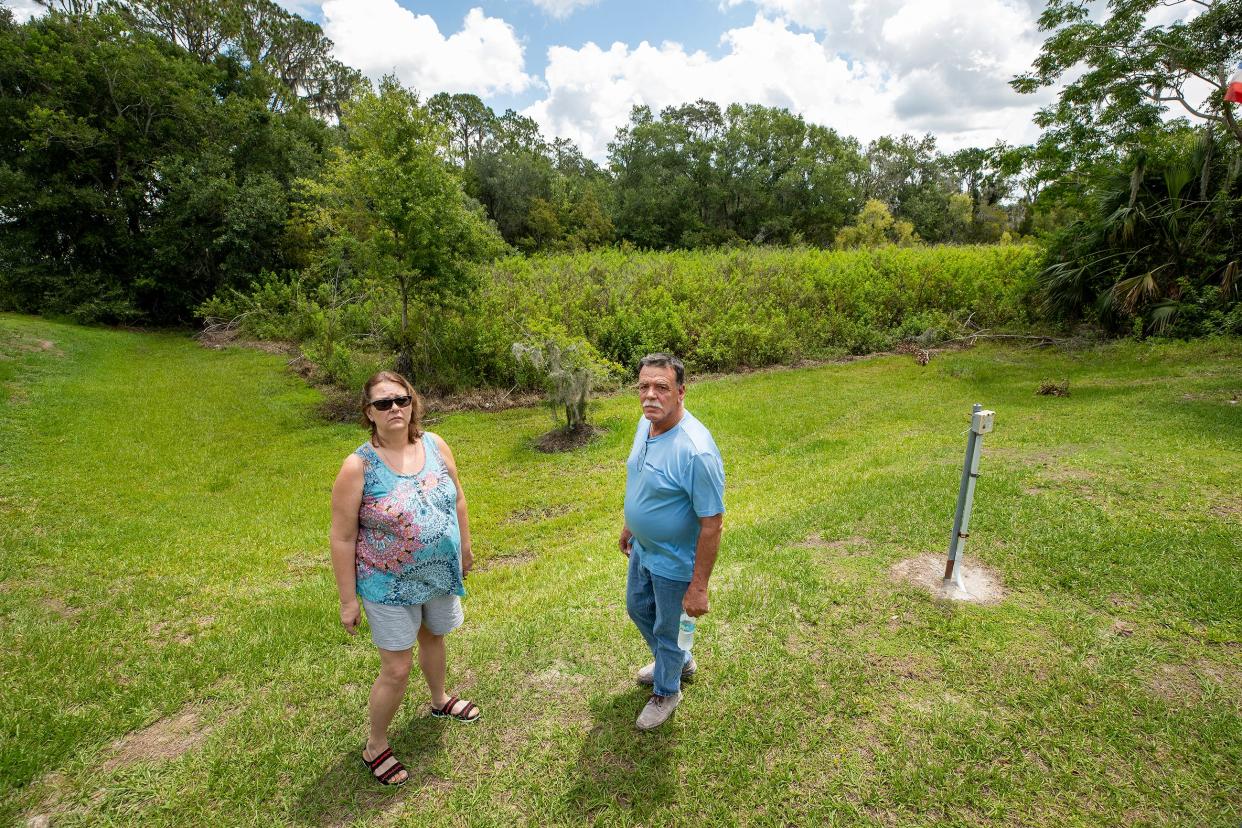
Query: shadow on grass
(618, 766)
(346, 791)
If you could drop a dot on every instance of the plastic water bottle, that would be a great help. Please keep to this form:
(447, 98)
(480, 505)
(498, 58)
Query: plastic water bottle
(685, 632)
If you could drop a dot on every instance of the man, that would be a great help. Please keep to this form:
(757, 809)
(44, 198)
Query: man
(674, 504)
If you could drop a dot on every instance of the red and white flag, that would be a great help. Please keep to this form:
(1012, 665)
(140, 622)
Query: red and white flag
(1233, 92)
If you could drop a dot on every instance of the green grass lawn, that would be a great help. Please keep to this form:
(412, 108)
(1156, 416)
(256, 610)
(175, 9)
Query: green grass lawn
(170, 653)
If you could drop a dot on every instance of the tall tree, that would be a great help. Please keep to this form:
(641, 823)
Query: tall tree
(1135, 70)
(135, 181)
(290, 53)
(470, 123)
(908, 176)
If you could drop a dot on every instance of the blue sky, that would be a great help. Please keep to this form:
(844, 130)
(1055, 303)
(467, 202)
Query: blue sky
(695, 24)
(863, 67)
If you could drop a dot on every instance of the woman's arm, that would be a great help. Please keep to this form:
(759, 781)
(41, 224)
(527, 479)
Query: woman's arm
(346, 500)
(463, 518)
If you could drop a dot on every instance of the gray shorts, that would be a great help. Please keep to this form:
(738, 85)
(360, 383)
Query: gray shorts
(396, 628)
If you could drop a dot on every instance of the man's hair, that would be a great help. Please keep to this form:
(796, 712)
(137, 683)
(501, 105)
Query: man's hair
(661, 360)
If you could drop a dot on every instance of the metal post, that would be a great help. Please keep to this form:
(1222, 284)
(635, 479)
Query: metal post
(980, 424)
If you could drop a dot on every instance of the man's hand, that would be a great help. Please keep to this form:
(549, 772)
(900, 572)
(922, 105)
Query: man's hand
(351, 615)
(624, 543)
(695, 602)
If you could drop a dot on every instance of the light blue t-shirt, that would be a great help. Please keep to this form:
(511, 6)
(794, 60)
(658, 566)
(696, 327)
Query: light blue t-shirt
(670, 482)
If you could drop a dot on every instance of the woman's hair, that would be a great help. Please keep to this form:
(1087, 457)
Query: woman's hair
(416, 404)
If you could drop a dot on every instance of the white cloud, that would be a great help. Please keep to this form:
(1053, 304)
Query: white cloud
(561, 9)
(379, 37)
(960, 95)
(23, 10)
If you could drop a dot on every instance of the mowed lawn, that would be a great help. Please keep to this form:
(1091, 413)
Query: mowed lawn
(170, 652)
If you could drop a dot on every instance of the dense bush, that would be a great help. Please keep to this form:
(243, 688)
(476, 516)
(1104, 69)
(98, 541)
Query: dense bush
(748, 308)
(719, 310)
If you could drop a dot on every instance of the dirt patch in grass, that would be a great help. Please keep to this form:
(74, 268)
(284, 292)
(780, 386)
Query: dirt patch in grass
(983, 584)
(1123, 629)
(59, 608)
(908, 666)
(307, 562)
(497, 561)
(1179, 684)
(1043, 456)
(166, 740)
(564, 439)
(1228, 510)
(842, 546)
(534, 513)
(557, 678)
(1067, 475)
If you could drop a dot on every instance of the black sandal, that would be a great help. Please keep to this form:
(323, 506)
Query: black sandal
(462, 715)
(385, 777)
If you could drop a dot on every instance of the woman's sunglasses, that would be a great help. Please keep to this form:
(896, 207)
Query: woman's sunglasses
(384, 405)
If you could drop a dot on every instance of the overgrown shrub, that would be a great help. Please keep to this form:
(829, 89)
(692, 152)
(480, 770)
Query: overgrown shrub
(719, 310)
(722, 310)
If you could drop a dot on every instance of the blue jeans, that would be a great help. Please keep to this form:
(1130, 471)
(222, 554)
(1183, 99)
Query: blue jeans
(654, 605)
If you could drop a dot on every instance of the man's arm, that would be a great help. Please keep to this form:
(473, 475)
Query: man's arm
(695, 602)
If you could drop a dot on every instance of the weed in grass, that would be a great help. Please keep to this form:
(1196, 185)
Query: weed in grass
(1051, 388)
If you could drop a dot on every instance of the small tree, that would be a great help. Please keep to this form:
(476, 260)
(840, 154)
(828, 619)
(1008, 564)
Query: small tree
(392, 201)
(569, 368)
(875, 226)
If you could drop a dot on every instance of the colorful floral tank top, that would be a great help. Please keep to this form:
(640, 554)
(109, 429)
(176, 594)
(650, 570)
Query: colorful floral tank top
(409, 543)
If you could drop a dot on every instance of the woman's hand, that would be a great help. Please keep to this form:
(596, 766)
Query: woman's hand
(351, 615)
(467, 561)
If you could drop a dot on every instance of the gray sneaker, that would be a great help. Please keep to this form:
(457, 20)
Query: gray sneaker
(646, 675)
(657, 711)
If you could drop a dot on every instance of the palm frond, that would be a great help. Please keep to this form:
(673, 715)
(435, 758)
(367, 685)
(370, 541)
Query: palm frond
(1134, 290)
(1229, 278)
(1162, 315)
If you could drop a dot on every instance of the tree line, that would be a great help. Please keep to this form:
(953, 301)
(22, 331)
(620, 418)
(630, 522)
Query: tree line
(154, 153)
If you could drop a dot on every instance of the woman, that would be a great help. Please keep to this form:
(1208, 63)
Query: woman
(401, 541)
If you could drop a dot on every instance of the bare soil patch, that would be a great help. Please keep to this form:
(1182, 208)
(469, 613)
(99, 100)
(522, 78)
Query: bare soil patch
(516, 559)
(1228, 510)
(1121, 628)
(844, 546)
(564, 439)
(1180, 684)
(983, 584)
(557, 679)
(167, 739)
(59, 608)
(537, 513)
(909, 666)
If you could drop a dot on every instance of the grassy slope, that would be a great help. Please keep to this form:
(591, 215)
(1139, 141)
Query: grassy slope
(163, 511)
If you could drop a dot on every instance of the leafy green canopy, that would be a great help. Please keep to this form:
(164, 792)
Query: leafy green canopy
(1124, 74)
(137, 179)
(1160, 204)
(542, 196)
